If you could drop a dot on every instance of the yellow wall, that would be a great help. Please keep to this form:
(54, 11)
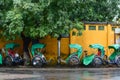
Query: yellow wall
(104, 37)
(51, 48)
(90, 37)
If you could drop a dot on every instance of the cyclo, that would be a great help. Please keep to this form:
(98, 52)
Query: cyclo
(37, 57)
(12, 57)
(74, 58)
(94, 59)
(114, 57)
(1, 58)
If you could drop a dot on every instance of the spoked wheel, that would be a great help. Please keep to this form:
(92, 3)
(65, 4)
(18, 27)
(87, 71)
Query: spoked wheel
(37, 61)
(118, 61)
(74, 61)
(97, 62)
(19, 61)
(8, 61)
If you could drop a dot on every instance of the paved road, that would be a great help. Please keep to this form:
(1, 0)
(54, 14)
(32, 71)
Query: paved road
(59, 73)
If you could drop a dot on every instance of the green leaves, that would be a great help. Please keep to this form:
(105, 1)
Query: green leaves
(13, 22)
(39, 18)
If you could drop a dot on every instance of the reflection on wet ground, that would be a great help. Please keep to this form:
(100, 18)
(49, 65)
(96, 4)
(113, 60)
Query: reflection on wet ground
(86, 74)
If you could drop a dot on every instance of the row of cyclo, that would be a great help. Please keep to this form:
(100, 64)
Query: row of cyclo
(74, 59)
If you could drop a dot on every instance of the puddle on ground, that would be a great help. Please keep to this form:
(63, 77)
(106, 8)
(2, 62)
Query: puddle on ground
(72, 75)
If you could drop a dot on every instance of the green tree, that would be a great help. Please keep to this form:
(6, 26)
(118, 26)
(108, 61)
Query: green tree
(54, 17)
(37, 18)
(98, 10)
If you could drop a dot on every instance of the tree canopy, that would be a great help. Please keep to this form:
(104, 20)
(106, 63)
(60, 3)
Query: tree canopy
(39, 18)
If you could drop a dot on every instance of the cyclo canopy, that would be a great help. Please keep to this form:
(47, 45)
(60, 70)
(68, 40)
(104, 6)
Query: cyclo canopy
(78, 52)
(35, 46)
(98, 46)
(11, 45)
(116, 48)
(88, 59)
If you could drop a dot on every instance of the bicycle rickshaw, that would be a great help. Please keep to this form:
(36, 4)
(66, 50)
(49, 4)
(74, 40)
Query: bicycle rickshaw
(74, 58)
(12, 57)
(95, 59)
(114, 58)
(1, 58)
(37, 57)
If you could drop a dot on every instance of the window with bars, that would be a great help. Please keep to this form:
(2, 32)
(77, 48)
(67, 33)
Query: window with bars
(113, 28)
(92, 27)
(100, 27)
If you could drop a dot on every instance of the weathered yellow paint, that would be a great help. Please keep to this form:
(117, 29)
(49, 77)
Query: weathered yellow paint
(105, 37)
(51, 48)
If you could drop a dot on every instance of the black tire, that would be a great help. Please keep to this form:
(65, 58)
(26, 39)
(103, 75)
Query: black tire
(37, 61)
(74, 61)
(8, 61)
(118, 61)
(97, 62)
(21, 61)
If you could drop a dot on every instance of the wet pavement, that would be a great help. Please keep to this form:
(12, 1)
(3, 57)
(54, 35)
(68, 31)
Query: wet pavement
(59, 73)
